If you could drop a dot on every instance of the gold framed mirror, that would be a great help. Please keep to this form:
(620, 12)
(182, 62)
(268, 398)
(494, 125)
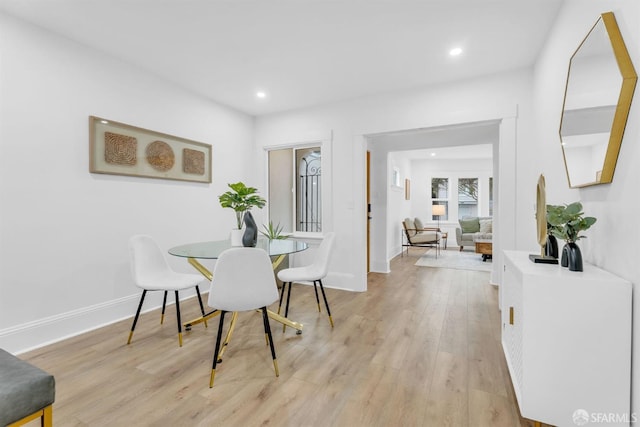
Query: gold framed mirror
(600, 85)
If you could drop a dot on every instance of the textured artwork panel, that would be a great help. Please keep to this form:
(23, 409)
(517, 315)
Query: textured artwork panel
(160, 156)
(120, 149)
(193, 161)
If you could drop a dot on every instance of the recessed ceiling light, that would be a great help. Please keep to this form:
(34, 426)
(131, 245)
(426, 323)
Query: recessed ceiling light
(261, 94)
(455, 51)
(433, 154)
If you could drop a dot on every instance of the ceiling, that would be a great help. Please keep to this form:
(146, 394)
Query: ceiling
(466, 152)
(302, 52)
(461, 141)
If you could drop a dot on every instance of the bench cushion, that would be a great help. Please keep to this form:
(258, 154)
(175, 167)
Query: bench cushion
(24, 389)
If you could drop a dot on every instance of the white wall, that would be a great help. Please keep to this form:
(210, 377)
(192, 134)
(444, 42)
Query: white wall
(612, 241)
(397, 207)
(477, 100)
(63, 231)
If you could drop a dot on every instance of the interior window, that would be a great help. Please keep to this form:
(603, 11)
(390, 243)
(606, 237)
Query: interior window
(440, 196)
(467, 197)
(295, 189)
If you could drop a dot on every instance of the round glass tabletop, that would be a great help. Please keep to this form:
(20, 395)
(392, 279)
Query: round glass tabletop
(213, 249)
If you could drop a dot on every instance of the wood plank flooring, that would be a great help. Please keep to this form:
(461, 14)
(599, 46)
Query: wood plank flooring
(420, 348)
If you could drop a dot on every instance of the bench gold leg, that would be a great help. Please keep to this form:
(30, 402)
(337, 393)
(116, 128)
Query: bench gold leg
(45, 415)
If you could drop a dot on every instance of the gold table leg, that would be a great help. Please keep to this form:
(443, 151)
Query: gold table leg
(232, 326)
(201, 319)
(201, 268)
(206, 273)
(295, 325)
(277, 261)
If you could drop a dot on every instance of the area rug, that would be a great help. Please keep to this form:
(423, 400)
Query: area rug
(455, 259)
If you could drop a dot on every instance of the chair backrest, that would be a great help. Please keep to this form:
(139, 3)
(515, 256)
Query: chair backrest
(323, 254)
(243, 279)
(147, 261)
(409, 229)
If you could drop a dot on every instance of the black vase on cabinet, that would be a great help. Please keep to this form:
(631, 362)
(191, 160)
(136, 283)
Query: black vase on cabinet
(551, 247)
(574, 257)
(564, 260)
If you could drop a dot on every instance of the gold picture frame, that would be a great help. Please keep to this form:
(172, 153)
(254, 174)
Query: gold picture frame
(120, 149)
(407, 189)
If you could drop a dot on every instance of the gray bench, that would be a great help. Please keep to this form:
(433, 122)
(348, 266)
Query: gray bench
(26, 392)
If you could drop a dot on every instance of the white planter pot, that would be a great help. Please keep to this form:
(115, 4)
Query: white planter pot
(236, 237)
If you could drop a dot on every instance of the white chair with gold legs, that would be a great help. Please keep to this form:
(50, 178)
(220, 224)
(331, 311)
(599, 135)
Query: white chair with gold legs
(243, 280)
(311, 273)
(151, 272)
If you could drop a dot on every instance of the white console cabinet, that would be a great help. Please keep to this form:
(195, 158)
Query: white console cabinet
(566, 336)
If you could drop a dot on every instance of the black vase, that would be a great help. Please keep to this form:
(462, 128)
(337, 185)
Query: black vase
(551, 247)
(575, 257)
(564, 261)
(250, 236)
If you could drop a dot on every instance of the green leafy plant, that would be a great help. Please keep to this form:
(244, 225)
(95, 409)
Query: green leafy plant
(241, 199)
(273, 232)
(567, 221)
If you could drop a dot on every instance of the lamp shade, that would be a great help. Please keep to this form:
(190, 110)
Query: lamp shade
(438, 210)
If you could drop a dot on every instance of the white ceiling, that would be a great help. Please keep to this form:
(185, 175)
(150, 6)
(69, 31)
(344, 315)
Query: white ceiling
(482, 151)
(302, 52)
(468, 141)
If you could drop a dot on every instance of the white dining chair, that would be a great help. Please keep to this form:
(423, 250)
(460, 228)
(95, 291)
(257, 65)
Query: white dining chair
(312, 273)
(151, 272)
(243, 280)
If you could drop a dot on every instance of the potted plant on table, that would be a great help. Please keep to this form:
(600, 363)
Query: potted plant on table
(567, 221)
(273, 232)
(241, 199)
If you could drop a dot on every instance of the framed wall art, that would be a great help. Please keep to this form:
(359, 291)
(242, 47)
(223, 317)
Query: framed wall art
(120, 149)
(407, 189)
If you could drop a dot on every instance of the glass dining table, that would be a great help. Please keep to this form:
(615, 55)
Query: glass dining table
(277, 249)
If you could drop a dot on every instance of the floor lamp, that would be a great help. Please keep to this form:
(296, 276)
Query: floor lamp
(438, 210)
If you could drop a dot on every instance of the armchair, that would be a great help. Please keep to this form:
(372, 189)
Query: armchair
(419, 237)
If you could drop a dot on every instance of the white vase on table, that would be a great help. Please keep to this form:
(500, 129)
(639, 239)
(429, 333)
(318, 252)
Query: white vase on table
(236, 237)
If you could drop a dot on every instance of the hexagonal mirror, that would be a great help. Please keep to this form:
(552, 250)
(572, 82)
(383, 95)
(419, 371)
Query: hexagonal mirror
(600, 85)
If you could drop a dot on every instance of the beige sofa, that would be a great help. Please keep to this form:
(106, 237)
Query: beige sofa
(472, 228)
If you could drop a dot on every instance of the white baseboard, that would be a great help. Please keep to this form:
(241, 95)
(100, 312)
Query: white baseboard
(38, 333)
(341, 281)
(379, 267)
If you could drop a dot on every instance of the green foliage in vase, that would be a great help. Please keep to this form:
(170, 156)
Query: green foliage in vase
(241, 199)
(273, 232)
(567, 221)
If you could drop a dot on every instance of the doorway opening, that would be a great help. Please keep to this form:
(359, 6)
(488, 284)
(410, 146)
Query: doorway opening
(392, 151)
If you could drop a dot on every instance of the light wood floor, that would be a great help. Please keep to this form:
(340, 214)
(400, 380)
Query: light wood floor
(420, 348)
